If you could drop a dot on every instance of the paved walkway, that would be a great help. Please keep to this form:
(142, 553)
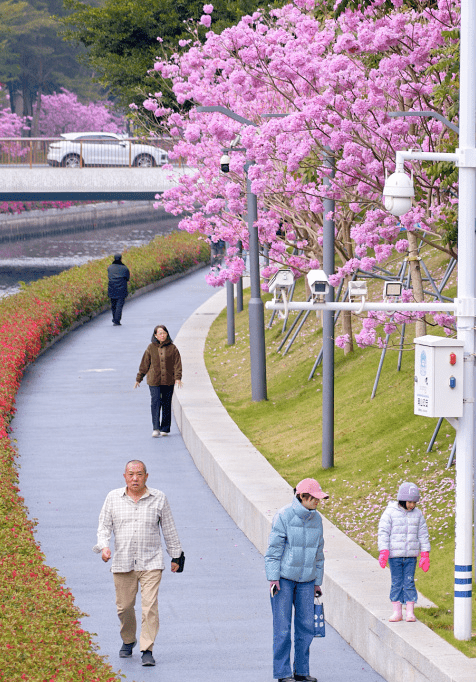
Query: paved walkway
(78, 422)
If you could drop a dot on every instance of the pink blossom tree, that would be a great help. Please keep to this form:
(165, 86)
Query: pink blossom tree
(336, 81)
(11, 125)
(64, 113)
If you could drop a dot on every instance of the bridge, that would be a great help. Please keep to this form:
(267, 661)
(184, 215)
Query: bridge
(68, 184)
(109, 168)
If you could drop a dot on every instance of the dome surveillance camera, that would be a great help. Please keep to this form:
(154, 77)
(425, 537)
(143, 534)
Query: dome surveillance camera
(225, 163)
(398, 193)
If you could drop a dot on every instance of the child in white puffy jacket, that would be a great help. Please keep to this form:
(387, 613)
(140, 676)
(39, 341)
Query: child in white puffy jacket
(402, 536)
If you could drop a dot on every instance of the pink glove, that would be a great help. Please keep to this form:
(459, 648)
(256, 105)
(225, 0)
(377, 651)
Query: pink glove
(424, 562)
(274, 583)
(383, 557)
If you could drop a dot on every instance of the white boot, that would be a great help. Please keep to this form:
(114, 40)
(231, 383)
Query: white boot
(410, 615)
(397, 612)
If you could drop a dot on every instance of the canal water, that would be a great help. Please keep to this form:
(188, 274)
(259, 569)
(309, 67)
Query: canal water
(32, 259)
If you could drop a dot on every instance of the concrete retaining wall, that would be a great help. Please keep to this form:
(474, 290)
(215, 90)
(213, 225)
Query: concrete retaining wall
(355, 587)
(34, 224)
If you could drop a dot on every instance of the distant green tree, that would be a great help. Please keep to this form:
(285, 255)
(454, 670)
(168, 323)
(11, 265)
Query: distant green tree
(121, 36)
(34, 59)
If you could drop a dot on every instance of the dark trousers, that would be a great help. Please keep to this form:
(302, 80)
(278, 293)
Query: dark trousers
(116, 307)
(161, 407)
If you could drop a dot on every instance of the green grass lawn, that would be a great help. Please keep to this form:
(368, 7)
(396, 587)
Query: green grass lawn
(378, 443)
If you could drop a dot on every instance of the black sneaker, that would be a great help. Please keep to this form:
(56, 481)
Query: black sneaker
(305, 678)
(147, 658)
(126, 650)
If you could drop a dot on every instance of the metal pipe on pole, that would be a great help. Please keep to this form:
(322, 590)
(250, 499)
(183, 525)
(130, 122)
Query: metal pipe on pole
(466, 325)
(368, 305)
(328, 248)
(230, 313)
(239, 285)
(255, 306)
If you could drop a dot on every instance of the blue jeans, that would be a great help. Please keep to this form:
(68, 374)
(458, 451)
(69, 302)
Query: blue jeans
(402, 570)
(161, 407)
(301, 595)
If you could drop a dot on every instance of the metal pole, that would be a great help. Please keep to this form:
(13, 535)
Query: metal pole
(239, 295)
(306, 315)
(466, 326)
(328, 249)
(451, 459)
(435, 433)
(230, 313)
(239, 287)
(380, 365)
(255, 307)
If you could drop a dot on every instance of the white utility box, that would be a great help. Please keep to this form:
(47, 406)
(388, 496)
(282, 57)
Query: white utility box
(438, 376)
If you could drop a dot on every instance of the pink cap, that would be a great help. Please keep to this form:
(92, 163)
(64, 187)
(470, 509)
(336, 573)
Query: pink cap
(311, 486)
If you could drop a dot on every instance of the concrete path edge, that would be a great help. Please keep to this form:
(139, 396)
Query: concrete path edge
(251, 490)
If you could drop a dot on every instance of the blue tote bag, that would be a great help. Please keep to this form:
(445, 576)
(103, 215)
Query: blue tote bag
(319, 622)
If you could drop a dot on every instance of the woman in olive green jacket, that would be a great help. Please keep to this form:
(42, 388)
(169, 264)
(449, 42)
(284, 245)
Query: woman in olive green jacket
(162, 364)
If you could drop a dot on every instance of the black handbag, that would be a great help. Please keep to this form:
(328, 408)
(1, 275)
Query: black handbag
(181, 563)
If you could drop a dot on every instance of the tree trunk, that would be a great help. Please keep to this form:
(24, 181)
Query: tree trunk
(36, 114)
(417, 283)
(347, 329)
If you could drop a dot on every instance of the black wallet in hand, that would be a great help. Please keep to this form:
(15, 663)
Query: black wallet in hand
(181, 563)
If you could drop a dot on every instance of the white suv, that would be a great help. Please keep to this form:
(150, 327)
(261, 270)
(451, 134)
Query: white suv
(103, 149)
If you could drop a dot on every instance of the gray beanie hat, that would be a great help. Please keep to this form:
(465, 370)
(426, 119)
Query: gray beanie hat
(408, 492)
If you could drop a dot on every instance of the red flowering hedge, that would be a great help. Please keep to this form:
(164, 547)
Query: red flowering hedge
(22, 206)
(41, 639)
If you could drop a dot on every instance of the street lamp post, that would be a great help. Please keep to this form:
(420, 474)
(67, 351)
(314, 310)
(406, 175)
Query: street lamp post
(328, 248)
(466, 323)
(255, 307)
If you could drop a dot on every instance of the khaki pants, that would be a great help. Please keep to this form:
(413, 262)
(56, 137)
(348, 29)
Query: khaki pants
(127, 585)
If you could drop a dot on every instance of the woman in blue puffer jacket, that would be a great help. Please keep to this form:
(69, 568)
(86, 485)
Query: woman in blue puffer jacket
(294, 564)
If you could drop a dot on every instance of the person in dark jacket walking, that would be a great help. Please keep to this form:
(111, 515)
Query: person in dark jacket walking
(294, 563)
(118, 275)
(162, 364)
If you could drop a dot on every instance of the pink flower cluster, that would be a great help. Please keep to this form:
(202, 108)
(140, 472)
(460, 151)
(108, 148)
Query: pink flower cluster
(317, 92)
(63, 113)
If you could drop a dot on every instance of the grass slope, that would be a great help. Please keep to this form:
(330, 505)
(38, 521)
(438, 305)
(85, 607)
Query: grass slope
(379, 443)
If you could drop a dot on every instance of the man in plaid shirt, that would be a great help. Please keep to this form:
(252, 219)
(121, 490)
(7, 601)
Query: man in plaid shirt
(135, 514)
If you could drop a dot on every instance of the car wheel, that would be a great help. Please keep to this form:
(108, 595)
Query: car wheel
(72, 161)
(144, 161)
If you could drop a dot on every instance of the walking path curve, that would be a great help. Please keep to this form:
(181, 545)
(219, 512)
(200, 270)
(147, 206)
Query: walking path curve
(78, 421)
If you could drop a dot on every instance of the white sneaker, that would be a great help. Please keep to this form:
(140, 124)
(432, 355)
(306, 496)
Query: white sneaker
(164, 433)
(156, 433)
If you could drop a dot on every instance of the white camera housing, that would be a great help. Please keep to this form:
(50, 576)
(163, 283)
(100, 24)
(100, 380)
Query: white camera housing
(283, 279)
(398, 193)
(225, 163)
(358, 289)
(318, 282)
(392, 290)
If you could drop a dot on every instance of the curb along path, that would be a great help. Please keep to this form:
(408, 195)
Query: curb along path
(78, 422)
(355, 587)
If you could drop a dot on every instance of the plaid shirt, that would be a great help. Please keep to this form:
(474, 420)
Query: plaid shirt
(136, 528)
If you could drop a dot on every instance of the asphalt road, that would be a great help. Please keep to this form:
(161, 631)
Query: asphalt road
(78, 422)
